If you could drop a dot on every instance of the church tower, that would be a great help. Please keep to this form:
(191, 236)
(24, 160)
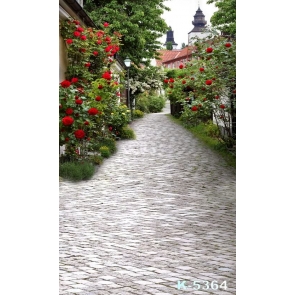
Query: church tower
(199, 23)
(170, 38)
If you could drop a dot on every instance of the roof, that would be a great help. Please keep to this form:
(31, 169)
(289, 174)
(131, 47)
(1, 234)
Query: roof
(182, 53)
(166, 54)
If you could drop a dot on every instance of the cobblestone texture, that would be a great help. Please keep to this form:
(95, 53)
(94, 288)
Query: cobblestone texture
(160, 210)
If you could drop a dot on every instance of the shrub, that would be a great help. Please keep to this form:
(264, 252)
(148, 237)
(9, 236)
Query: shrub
(104, 151)
(127, 133)
(156, 104)
(212, 130)
(142, 103)
(97, 159)
(109, 142)
(138, 114)
(76, 170)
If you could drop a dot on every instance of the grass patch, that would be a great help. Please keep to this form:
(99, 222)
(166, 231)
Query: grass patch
(76, 171)
(202, 132)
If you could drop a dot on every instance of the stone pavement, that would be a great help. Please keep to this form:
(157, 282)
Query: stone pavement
(157, 217)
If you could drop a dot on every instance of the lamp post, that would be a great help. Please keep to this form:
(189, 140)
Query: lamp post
(127, 62)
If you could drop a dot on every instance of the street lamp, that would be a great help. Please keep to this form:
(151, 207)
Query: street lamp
(127, 62)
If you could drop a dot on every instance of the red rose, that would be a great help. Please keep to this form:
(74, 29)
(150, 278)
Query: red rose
(213, 79)
(216, 96)
(69, 111)
(181, 66)
(88, 138)
(67, 139)
(194, 108)
(110, 128)
(208, 82)
(171, 80)
(192, 78)
(222, 106)
(74, 80)
(107, 76)
(67, 121)
(227, 45)
(166, 81)
(100, 86)
(76, 22)
(87, 64)
(77, 33)
(106, 24)
(80, 29)
(209, 49)
(69, 41)
(79, 134)
(98, 98)
(81, 90)
(171, 85)
(234, 91)
(78, 101)
(201, 69)
(92, 111)
(65, 84)
(187, 98)
(99, 42)
(118, 94)
(95, 53)
(60, 106)
(183, 82)
(204, 99)
(82, 50)
(83, 37)
(108, 39)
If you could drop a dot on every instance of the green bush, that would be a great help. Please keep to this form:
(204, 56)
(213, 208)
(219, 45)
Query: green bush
(212, 130)
(156, 104)
(138, 114)
(109, 142)
(127, 133)
(142, 103)
(104, 151)
(76, 170)
(97, 159)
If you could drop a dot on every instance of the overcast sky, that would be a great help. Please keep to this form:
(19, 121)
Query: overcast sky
(181, 15)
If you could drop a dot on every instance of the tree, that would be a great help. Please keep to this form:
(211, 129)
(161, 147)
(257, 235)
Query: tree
(224, 19)
(169, 45)
(183, 45)
(139, 22)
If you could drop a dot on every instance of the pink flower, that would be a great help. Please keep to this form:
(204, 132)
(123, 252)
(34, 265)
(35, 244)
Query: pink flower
(106, 24)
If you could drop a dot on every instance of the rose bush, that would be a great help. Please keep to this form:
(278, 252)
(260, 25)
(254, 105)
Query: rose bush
(89, 94)
(210, 84)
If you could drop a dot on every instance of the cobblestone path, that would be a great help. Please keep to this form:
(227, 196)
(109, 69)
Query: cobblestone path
(157, 216)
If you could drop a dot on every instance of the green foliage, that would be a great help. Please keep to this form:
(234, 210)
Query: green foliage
(156, 104)
(104, 151)
(109, 142)
(140, 23)
(96, 159)
(138, 114)
(142, 103)
(76, 170)
(224, 19)
(211, 129)
(169, 45)
(127, 133)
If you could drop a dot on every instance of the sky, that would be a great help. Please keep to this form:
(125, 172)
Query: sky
(181, 15)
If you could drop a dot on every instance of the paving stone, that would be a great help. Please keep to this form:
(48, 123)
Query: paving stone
(159, 210)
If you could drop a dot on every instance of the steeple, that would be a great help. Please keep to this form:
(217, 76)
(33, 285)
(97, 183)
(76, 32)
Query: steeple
(199, 21)
(170, 38)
